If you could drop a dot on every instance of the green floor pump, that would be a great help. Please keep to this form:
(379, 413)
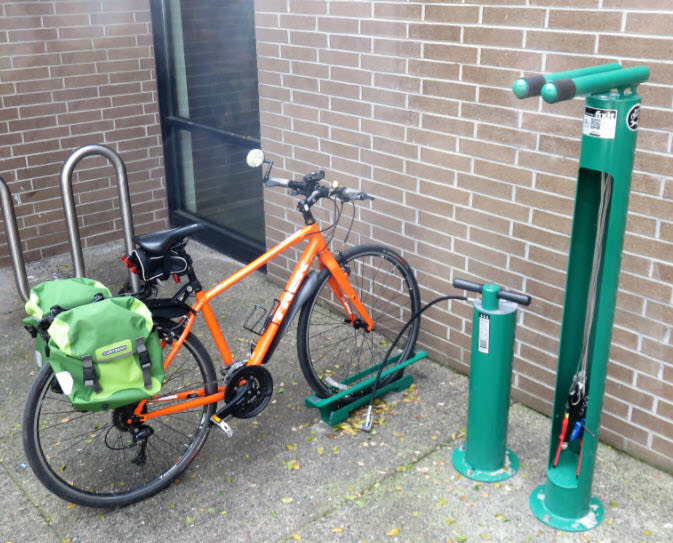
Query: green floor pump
(484, 455)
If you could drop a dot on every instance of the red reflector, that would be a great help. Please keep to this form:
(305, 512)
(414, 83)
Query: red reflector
(129, 264)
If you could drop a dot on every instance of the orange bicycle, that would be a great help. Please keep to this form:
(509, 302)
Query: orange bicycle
(351, 305)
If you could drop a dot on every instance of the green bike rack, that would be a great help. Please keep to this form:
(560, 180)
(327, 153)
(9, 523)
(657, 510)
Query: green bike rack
(609, 131)
(338, 407)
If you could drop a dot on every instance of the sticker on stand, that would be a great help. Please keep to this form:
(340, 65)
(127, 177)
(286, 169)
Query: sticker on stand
(633, 118)
(484, 333)
(600, 123)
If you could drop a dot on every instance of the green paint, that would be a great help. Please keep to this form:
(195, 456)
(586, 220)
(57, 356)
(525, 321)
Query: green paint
(484, 456)
(607, 154)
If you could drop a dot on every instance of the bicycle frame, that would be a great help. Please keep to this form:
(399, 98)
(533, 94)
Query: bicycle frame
(338, 281)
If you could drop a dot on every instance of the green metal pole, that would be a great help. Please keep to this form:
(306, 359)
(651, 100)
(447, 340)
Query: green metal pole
(603, 185)
(484, 455)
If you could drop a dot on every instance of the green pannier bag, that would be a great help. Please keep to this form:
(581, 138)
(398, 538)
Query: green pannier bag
(106, 354)
(51, 297)
(64, 293)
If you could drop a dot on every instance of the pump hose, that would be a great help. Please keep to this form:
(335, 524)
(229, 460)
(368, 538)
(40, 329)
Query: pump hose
(368, 422)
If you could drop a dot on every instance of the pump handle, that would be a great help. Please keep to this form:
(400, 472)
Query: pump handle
(521, 299)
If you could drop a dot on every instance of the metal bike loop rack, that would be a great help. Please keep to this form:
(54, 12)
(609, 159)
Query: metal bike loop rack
(71, 213)
(14, 241)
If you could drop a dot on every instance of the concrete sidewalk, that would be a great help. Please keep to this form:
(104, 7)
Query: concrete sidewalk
(286, 476)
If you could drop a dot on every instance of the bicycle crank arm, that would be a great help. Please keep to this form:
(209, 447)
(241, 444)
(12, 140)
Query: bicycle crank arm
(231, 404)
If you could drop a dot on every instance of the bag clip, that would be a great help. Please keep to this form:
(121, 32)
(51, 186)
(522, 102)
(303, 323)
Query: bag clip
(88, 374)
(145, 362)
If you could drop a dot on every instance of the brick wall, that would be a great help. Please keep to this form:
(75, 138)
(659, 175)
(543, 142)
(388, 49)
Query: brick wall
(412, 102)
(75, 73)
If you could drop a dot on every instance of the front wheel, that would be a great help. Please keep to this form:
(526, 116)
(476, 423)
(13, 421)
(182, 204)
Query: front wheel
(98, 459)
(331, 349)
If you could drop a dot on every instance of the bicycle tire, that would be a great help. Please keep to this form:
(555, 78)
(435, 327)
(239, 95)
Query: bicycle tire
(330, 348)
(87, 458)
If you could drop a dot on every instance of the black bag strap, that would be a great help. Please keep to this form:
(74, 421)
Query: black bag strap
(89, 374)
(145, 362)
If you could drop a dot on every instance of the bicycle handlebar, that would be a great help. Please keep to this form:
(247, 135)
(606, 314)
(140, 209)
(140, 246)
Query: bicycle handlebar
(348, 195)
(317, 191)
(310, 187)
(516, 297)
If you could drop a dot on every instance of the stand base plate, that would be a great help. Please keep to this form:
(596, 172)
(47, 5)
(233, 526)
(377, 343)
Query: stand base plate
(510, 467)
(539, 508)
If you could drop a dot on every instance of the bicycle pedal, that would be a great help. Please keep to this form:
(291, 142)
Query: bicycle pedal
(222, 425)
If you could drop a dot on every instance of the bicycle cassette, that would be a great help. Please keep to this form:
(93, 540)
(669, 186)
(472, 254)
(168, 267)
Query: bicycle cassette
(259, 384)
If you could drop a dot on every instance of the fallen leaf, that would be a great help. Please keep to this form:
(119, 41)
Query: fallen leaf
(393, 532)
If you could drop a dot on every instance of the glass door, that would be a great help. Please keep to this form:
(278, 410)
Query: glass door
(207, 84)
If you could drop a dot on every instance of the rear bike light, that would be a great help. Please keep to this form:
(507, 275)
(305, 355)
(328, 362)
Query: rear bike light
(129, 264)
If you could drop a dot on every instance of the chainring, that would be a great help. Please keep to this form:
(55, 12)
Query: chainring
(256, 398)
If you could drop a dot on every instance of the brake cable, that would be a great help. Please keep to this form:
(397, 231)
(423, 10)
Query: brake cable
(574, 419)
(578, 389)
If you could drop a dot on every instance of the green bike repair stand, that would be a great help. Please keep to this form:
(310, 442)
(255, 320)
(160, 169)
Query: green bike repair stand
(338, 407)
(606, 161)
(484, 455)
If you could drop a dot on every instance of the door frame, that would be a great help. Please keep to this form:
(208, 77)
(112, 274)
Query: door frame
(222, 239)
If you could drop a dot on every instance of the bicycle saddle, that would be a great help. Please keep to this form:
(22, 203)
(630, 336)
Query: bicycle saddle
(161, 241)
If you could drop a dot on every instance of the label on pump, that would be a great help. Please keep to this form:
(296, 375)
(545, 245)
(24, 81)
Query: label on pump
(484, 337)
(600, 123)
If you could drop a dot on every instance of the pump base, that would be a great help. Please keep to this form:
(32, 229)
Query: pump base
(589, 521)
(510, 467)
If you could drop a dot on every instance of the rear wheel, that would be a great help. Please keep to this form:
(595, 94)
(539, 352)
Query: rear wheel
(98, 459)
(331, 349)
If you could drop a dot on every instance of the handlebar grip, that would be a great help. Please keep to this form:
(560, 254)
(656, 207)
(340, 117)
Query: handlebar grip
(557, 91)
(276, 182)
(521, 299)
(286, 183)
(526, 87)
(467, 285)
(350, 194)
